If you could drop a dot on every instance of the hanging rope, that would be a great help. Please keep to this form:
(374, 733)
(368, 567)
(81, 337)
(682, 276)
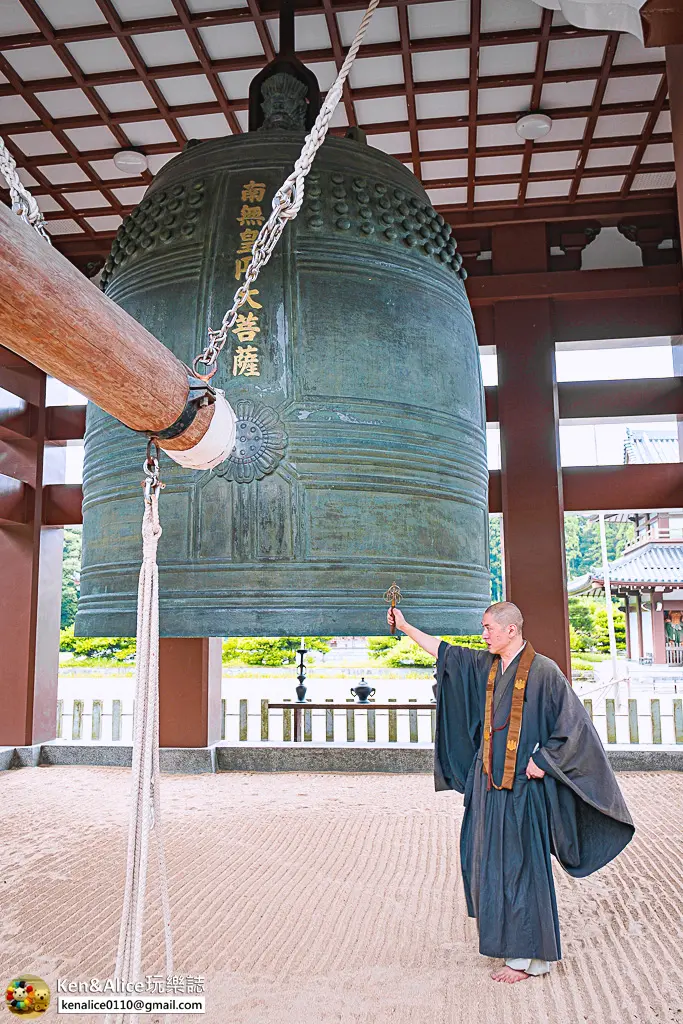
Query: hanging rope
(286, 204)
(23, 202)
(145, 814)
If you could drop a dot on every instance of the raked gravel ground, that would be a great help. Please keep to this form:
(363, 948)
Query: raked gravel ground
(330, 899)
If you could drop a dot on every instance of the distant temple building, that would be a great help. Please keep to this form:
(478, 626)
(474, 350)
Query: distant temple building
(649, 574)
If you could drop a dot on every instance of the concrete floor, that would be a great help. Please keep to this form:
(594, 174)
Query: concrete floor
(318, 899)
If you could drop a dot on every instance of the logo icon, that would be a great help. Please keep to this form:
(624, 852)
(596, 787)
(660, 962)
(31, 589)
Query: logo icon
(27, 996)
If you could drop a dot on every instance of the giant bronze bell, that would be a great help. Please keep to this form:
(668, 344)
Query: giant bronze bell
(360, 454)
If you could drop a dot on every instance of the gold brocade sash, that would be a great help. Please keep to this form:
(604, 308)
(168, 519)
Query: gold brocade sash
(514, 718)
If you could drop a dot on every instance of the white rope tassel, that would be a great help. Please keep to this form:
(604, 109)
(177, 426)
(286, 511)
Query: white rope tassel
(145, 816)
(23, 202)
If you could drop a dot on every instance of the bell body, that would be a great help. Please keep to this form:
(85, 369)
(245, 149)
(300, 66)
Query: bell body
(353, 370)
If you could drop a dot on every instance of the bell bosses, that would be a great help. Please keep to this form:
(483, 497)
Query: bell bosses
(514, 738)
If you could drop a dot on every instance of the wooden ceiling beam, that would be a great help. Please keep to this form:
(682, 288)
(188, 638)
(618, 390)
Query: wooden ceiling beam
(236, 16)
(595, 111)
(214, 81)
(472, 115)
(262, 30)
(647, 136)
(513, 177)
(133, 54)
(607, 210)
(338, 57)
(369, 92)
(391, 49)
(72, 66)
(409, 88)
(535, 104)
(63, 139)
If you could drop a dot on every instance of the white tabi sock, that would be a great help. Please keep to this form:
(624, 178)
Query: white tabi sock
(529, 966)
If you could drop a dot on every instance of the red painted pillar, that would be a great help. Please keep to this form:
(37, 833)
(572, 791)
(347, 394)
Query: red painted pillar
(30, 563)
(190, 670)
(533, 510)
(674, 74)
(658, 631)
(639, 622)
(627, 618)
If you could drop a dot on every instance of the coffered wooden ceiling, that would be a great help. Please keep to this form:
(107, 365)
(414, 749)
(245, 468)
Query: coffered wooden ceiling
(439, 85)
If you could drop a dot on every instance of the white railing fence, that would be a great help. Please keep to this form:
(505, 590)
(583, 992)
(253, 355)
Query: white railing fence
(638, 721)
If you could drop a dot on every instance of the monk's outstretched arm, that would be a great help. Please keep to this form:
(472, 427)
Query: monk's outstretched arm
(428, 643)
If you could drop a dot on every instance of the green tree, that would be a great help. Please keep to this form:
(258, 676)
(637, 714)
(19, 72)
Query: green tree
(495, 554)
(108, 649)
(71, 569)
(601, 632)
(272, 651)
(582, 543)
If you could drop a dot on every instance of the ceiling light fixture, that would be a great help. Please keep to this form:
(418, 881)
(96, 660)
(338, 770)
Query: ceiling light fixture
(131, 161)
(533, 126)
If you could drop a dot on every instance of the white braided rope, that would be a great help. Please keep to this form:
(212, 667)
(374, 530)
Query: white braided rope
(145, 814)
(287, 200)
(23, 202)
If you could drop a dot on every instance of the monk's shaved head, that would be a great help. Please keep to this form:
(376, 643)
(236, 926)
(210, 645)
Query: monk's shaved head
(505, 613)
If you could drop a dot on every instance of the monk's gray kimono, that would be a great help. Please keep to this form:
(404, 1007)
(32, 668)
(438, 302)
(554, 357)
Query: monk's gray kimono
(575, 812)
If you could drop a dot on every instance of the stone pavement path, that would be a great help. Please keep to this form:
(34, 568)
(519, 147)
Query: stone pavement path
(330, 899)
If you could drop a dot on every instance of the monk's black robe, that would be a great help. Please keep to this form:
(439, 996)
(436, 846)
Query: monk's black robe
(576, 811)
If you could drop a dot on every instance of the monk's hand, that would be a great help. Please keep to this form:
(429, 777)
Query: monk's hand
(395, 617)
(533, 771)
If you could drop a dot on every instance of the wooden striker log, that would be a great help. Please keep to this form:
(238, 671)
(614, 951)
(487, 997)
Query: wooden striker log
(58, 320)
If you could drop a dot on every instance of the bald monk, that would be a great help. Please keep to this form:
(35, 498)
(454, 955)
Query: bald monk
(513, 736)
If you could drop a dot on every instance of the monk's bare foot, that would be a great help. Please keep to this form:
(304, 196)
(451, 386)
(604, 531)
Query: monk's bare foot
(509, 976)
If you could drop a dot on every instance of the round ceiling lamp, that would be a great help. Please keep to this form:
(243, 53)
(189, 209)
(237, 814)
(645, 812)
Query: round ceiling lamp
(533, 126)
(131, 161)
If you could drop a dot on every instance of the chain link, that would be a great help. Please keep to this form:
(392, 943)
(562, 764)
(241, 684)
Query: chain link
(287, 202)
(23, 202)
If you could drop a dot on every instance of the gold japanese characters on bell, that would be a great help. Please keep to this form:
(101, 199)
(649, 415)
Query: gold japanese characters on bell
(246, 356)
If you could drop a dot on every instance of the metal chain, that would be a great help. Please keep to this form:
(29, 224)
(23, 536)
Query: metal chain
(286, 205)
(23, 202)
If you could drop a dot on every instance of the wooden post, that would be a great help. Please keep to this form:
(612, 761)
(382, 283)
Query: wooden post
(412, 720)
(298, 714)
(116, 721)
(639, 612)
(60, 706)
(58, 320)
(190, 670)
(533, 505)
(350, 723)
(611, 721)
(264, 719)
(633, 721)
(372, 725)
(588, 704)
(96, 724)
(224, 711)
(678, 720)
(77, 720)
(656, 721)
(393, 722)
(30, 561)
(308, 725)
(286, 723)
(329, 721)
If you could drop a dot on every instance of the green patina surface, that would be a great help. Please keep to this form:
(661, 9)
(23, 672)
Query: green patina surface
(360, 456)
